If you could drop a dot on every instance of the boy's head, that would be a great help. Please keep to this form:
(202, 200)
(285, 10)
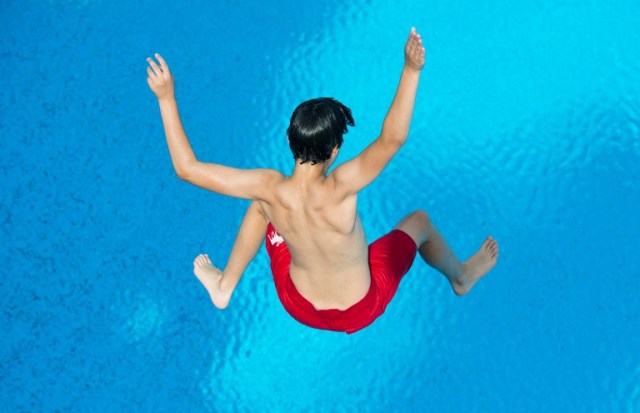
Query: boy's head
(316, 128)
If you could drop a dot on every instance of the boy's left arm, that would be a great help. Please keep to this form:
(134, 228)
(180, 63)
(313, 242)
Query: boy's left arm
(239, 183)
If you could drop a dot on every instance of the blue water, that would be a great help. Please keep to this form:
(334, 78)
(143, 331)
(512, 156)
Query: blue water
(527, 127)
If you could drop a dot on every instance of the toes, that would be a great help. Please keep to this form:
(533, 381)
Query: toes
(202, 259)
(495, 246)
(491, 247)
(199, 260)
(494, 249)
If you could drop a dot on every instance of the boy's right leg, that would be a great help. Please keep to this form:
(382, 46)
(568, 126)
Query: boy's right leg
(435, 251)
(220, 284)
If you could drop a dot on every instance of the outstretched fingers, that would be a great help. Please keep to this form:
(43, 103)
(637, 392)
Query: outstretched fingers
(151, 77)
(417, 44)
(155, 69)
(414, 50)
(160, 69)
(163, 64)
(411, 34)
(159, 78)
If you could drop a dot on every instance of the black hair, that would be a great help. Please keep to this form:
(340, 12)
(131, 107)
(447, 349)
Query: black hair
(316, 127)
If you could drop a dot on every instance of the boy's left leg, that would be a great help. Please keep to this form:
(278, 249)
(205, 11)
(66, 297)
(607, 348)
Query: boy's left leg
(435, 251)
(220, 284)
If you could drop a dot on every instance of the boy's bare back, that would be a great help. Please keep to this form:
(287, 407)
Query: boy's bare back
(324, 235)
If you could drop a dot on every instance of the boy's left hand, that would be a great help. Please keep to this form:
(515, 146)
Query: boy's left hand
(160, 79)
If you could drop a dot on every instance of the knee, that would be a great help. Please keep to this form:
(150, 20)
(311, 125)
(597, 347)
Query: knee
(420, 219)
(417, 224)
(421, 216)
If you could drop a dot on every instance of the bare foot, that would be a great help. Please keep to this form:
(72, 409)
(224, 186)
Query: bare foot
(210, 277)
(477, 266)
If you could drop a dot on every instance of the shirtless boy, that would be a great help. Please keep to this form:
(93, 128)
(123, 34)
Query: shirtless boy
(325, 273)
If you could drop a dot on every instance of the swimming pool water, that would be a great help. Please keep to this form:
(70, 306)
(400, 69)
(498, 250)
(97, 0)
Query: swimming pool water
(526, 127)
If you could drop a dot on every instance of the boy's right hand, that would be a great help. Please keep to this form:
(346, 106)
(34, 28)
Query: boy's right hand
(414, 53)
(160, 79)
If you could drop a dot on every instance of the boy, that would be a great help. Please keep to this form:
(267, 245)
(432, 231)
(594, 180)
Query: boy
(325, 274)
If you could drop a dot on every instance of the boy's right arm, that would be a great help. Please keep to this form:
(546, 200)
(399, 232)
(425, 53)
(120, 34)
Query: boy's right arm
(359, 172)
(225, 180)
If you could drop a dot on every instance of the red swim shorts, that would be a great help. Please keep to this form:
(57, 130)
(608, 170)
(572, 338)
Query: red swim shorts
(390, 257)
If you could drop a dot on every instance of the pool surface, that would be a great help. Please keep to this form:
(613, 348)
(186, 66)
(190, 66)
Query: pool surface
(527, 127)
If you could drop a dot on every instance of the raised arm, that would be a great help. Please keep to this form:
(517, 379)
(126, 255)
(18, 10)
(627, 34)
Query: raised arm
(359, 172)
(240, 183)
